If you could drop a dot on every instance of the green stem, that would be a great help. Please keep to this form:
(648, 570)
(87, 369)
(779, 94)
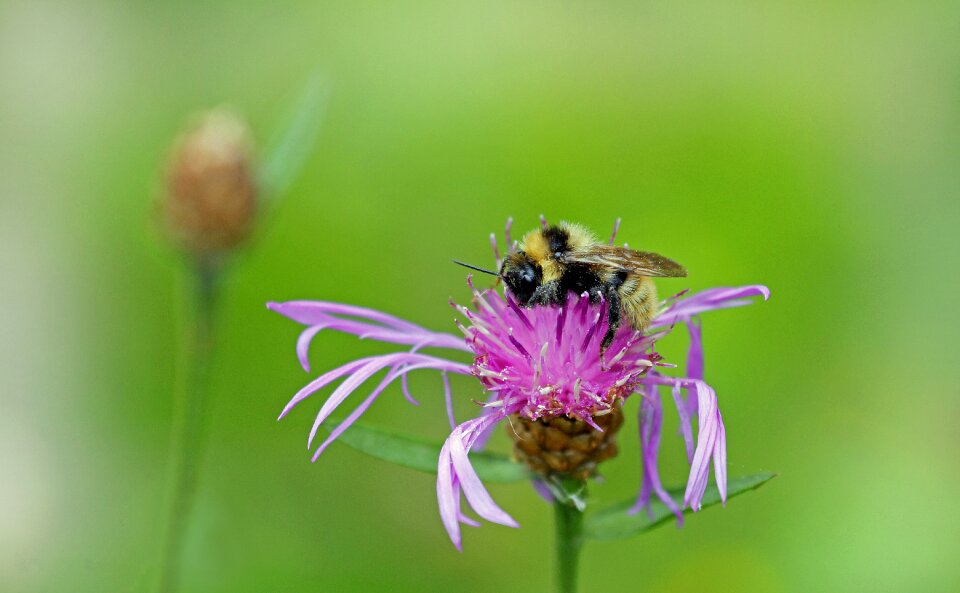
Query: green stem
(193, 368)
(569, 520)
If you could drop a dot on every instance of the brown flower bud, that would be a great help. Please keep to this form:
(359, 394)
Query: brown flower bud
(564, 446)
(211, 190)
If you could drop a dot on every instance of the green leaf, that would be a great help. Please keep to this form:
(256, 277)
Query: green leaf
(421, 453)
(291, 145)
(616, 522)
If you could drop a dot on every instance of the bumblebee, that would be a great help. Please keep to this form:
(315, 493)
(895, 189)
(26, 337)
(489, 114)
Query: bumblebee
(551, 261)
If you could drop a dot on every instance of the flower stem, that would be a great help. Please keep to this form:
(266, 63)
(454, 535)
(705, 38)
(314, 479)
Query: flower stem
(569, 520)
(193, 368)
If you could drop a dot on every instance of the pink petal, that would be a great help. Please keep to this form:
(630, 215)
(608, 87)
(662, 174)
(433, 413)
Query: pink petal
(473, 488)
(406, 390)
(412, 362)
(720, 459)
(322, 381)
(706, 440)
(685, 427)
(349, 420)
(310, 312)
(709, 300)
(449, 401)
(695, 354)
(447, 496)
(303, 345)
(378, 325)
(650, 420)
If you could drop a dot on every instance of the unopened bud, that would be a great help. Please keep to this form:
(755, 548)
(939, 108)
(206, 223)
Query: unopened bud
(210, 198)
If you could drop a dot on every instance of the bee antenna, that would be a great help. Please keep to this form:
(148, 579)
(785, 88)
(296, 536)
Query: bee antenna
(472, 267)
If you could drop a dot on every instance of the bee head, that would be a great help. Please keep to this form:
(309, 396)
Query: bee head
(521, 275)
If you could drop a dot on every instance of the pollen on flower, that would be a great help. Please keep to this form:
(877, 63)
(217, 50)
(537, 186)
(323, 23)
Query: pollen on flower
(546, 362)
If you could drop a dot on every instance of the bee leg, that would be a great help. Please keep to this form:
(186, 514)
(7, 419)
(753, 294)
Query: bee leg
(548, 293)
(614, 313)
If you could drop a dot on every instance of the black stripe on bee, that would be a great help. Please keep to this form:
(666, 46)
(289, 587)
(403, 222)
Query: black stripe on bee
(580, 278)
(618, 279)
(558, 238)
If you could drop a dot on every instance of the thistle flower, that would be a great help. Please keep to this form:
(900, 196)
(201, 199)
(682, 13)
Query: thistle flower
(542, 368)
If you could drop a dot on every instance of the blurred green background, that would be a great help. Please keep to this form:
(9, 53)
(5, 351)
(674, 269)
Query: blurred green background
(812, 147)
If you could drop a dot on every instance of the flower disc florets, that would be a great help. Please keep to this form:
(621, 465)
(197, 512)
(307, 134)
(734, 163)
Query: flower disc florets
(544, 362)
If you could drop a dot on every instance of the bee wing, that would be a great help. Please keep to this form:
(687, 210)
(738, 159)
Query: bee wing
(641, 263)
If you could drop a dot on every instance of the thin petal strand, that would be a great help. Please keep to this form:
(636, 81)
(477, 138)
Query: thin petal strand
(709, 300)
(720, 459)
(706, 441)
(650, 421)
(454, 472)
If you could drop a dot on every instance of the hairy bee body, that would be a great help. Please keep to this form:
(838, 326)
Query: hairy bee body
(552, 261)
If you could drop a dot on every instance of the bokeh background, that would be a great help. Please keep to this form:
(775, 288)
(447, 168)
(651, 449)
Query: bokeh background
(812, 147)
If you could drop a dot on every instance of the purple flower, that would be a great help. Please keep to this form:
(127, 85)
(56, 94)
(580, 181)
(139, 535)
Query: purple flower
(539, 363)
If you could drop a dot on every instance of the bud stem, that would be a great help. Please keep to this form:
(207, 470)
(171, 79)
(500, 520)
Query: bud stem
(190, 412)
(569, 521)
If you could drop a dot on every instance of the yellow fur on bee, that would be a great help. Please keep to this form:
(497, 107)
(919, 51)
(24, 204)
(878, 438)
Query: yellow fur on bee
(536, 245)
(579, 235)
(639, 301)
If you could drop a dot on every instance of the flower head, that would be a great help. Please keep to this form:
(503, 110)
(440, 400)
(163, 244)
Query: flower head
(545, 362)
(211, 193)
(542, 364)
